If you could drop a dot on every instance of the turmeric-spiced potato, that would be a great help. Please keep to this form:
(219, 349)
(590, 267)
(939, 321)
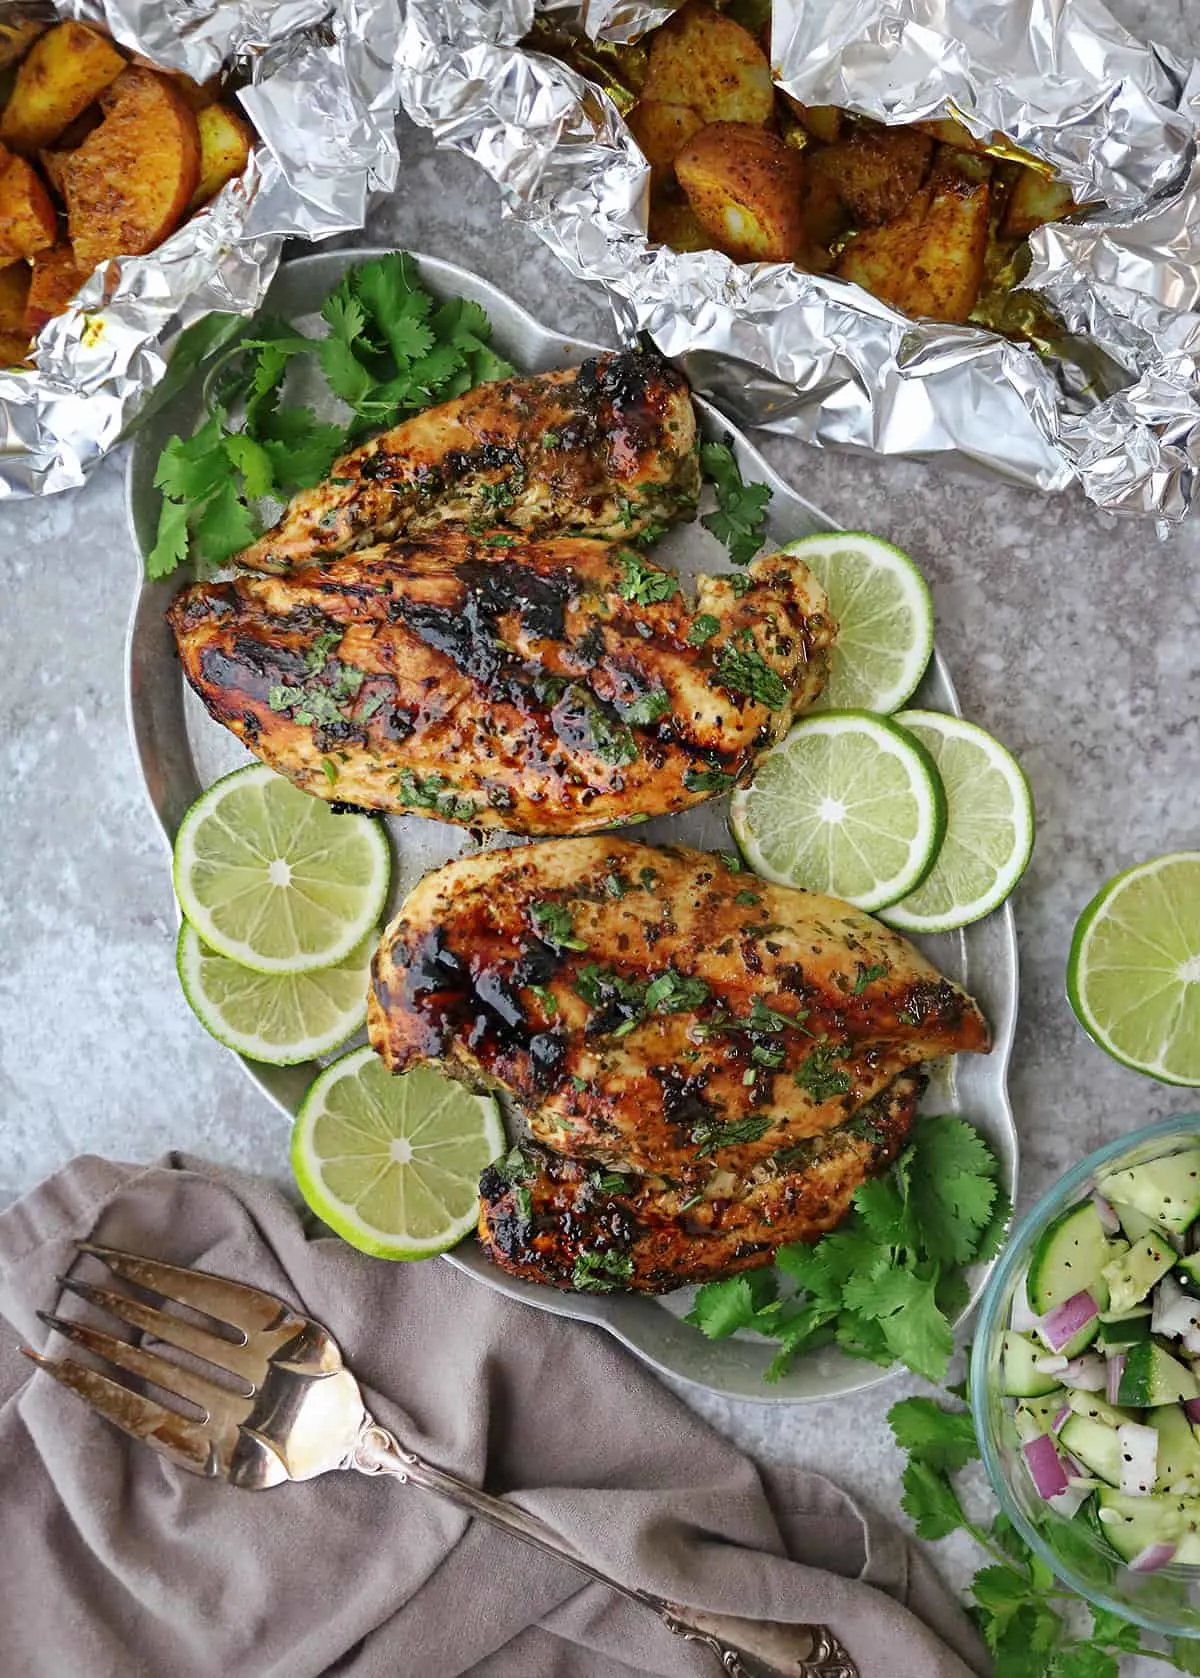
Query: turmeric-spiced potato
(64, 70)
(131, 180)
(28, 222)
(744, 186)
(1034, 200)
(930, 260)
(875, 171)
(225, 142)
(56, 279)
(662, 131)
(703, 59)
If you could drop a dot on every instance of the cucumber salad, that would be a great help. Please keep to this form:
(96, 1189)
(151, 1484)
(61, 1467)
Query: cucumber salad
(1102, 1359)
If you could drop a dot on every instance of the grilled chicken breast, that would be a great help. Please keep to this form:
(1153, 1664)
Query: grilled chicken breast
(651, 1009)
(566, 1224)
(542, 687)
(608, 448)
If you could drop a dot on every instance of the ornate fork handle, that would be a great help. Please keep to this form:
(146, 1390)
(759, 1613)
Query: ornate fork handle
(745, 1648)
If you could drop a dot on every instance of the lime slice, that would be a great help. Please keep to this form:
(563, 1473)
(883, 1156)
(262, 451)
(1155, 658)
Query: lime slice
(885, 619)
(1133, 975)
(847, 803)
(989, 826)
(280, 1018)
(271, 878)
(391, 1162)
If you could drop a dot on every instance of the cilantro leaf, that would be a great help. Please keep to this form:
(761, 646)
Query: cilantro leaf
(1185, 1654)
(1112, 1632)
(1085, 1661)
(188, 471)
(741, 507)
(943, 1438)
(642, 581)
(930, 1501)
(953, 1189)
(171, 543)
(344, 372)
(253, 462)
(745, 670)
(225, 526)
(721, 1308)
(301, 447)
(917, 1331)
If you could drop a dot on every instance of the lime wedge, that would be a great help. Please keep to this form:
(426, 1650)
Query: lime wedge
(280, 1018)
(885, 619)
(1133, 975)
(273, 879)
(847, 803)
(989, 826)
(391, 1162)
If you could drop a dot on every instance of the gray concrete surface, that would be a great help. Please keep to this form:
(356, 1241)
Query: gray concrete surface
(1073, 638)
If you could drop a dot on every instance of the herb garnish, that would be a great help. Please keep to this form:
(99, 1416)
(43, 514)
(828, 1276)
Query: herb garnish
(390, 351)
(741, 507)
(868, 975)
(642, 582)
(744, 670)
(710, 1134)
(704, 627)
(672, 993)
(817, 1075)
(707, 780)
(647, 708)
(601, 1272)
(554, 922)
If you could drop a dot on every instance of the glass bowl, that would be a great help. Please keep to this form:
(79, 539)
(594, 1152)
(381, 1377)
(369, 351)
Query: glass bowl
(1168, 1601)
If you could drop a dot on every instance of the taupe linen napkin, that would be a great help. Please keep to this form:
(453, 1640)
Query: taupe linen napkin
(115, 1565)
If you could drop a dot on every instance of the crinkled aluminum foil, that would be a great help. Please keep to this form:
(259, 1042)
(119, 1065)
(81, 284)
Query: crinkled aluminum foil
(322, 97)
(813, 357)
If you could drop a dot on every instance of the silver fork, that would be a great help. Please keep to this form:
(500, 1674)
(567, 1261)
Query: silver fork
(285, 1407)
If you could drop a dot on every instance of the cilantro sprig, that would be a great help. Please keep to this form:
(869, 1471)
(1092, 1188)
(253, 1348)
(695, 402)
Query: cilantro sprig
(1027, 1619)
(741, 507)
(389, 350)
(886, 1285)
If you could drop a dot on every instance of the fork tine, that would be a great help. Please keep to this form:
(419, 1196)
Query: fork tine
(184, 1443)
(245, 1361)
(135, 1360)
(235, 1303)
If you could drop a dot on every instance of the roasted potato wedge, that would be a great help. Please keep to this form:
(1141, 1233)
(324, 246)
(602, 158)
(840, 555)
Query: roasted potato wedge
(951, 132)
(14, 290)
(1033, 201)
(875, 171)
(65, 69)
(823, 122)
(930, 260)
(55, 280)
(28, 222)
(662, 131)
(225, 142)
(745, 187)
(130, 182)
(53, 165)
(702, 59)
(673, 222)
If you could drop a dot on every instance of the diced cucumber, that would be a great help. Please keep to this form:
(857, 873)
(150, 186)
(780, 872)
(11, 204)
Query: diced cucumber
(1096, 1410)
(1069, 1257)
(1124, 1331)
(1152, 1377)
(1019, 1378)
(1135, 1223)
(1167, 1189)
(1035, 1416)
(1178, 1451)
(1190, 1269)
(1096, 1446)
(1131, 1277)
(1131, 1524)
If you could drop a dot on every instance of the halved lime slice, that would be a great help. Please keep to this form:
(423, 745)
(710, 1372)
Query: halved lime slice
(390, 1161)
(280, 1018)
(847, 803)
(885, 616)
(989, 826)
(1133, 975)
(273, 879)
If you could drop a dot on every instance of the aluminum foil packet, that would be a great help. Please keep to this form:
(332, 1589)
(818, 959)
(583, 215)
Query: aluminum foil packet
(1115, 408)
(322, 96)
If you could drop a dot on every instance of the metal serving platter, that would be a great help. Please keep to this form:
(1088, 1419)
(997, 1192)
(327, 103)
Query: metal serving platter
(181, 751)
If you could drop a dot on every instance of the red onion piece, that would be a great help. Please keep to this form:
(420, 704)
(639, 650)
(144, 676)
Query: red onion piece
(1045, 1466)
(1065, 1321)
(1175, 1313)
(1191, 1409)
(1064, 1416)
(1087, 1374)
(1109, 1221)
(1139, 1458)
(1191, 1341)
(1052, 1364)
(1112, 1386)
(1152, 1558)
(1024, 1320)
